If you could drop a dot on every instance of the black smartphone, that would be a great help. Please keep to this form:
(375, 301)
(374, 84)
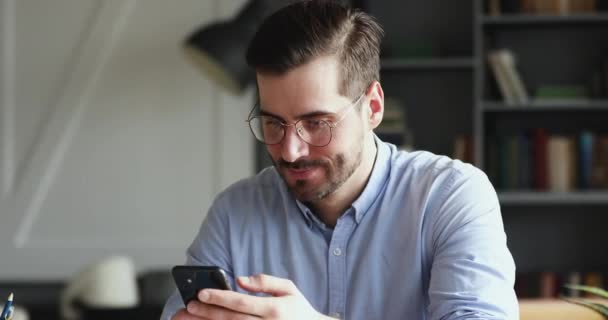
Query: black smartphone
(191, 279)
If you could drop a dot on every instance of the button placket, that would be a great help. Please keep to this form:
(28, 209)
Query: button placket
(337, 265)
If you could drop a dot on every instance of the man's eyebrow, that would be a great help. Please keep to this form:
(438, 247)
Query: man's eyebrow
(312, 114)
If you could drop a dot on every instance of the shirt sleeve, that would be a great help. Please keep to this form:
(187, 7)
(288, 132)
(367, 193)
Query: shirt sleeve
(473, 272)
(209, 248)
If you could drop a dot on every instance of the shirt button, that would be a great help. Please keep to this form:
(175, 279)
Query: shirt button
(337, 252)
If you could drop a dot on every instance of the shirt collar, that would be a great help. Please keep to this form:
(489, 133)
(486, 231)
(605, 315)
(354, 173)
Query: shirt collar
(376, 182)
(374, 187)
(308, 215)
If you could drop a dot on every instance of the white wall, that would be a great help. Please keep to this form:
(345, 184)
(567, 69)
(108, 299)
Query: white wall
(111, 141)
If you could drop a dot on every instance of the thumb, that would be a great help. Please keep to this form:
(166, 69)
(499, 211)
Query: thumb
(263, 283)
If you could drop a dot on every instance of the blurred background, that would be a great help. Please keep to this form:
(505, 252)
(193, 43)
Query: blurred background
(120, 120)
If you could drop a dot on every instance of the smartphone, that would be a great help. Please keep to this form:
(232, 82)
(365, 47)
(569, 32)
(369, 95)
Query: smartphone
(191, 279)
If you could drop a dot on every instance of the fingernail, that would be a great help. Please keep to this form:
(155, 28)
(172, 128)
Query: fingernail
(192, 307)
(203, 296)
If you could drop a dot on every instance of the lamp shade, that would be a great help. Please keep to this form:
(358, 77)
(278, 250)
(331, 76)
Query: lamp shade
(219, 49)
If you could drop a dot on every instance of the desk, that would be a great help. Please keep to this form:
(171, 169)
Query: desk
(552, 309)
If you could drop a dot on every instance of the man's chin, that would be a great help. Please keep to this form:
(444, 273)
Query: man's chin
(304, 192)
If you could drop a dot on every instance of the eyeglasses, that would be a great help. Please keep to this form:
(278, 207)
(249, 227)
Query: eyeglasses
(316, 132)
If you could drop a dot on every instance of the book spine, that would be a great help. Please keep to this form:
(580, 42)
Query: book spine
(548, 284)
(574, 278)
(593, 279)
(514, 80)
(524, 162)
(560, 163)
(494, 7)
(504, 163)
(514, 165)
(501, 78)
(585, 159)
(540, 159)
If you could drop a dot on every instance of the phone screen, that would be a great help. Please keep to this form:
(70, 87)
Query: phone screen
(191, 279)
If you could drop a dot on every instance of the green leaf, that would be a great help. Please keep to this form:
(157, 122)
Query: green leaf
(593, 290)
(597, 307)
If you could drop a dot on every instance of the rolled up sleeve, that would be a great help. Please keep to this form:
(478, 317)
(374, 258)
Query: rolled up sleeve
(473, 272)
(209, 248)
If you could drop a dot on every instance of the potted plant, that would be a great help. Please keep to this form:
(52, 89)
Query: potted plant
(591, 304)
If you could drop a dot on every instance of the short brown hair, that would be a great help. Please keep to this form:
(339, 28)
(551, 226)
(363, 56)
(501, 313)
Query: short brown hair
(305, 30)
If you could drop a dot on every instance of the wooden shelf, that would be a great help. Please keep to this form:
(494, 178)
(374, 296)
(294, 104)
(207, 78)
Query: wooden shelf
(535, 106)
(529, 19)
(552, 198)
(428, 64)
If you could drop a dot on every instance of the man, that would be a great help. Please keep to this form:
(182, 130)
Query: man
(345, 225)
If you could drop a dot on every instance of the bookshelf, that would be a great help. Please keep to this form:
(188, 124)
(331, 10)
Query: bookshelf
(550, 233)
(427, 65)
(529, 19)
(553, 198)
(435, 63)
(463, 64)
(576, 106)
(450, 91)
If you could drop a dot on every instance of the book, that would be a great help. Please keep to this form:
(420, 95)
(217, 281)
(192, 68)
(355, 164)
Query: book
(493, 160)
(561, 93)
(463, 149)
(394, 127)
(561, 7)
(561, 164)
(539, 159)
(504, 166)
(574, 278)
(548, 284)
(494, 7)
(507, 62)
(585, 159)
(525, 162)
(514, 77)
(501, 78)
(527, 6)
(593, 279)
(513, 165)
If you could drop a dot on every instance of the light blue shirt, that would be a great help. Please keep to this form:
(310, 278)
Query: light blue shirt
(424, 240)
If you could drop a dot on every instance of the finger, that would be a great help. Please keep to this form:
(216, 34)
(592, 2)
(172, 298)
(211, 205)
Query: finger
(183, 314)
(209, 311)
(268, 284)
(235, 301)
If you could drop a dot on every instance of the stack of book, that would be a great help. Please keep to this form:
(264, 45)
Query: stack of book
(393, 127)
(561, 7)
(538, 161)
(463, 149)
(543, 7)
(564, 94)
(550, 284)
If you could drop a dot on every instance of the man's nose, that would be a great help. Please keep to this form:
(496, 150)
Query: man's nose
(293, 147)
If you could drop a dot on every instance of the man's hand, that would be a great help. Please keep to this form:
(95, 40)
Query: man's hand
(286, 302)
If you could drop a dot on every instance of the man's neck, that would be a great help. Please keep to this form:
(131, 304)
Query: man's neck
(334, 205)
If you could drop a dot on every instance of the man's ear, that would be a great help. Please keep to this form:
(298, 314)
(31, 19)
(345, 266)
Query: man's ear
(376, 104)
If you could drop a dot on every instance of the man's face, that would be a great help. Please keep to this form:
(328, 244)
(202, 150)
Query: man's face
(311, 92)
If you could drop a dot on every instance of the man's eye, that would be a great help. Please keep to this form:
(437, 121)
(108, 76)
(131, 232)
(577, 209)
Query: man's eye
(272, 123)
(314, 124)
